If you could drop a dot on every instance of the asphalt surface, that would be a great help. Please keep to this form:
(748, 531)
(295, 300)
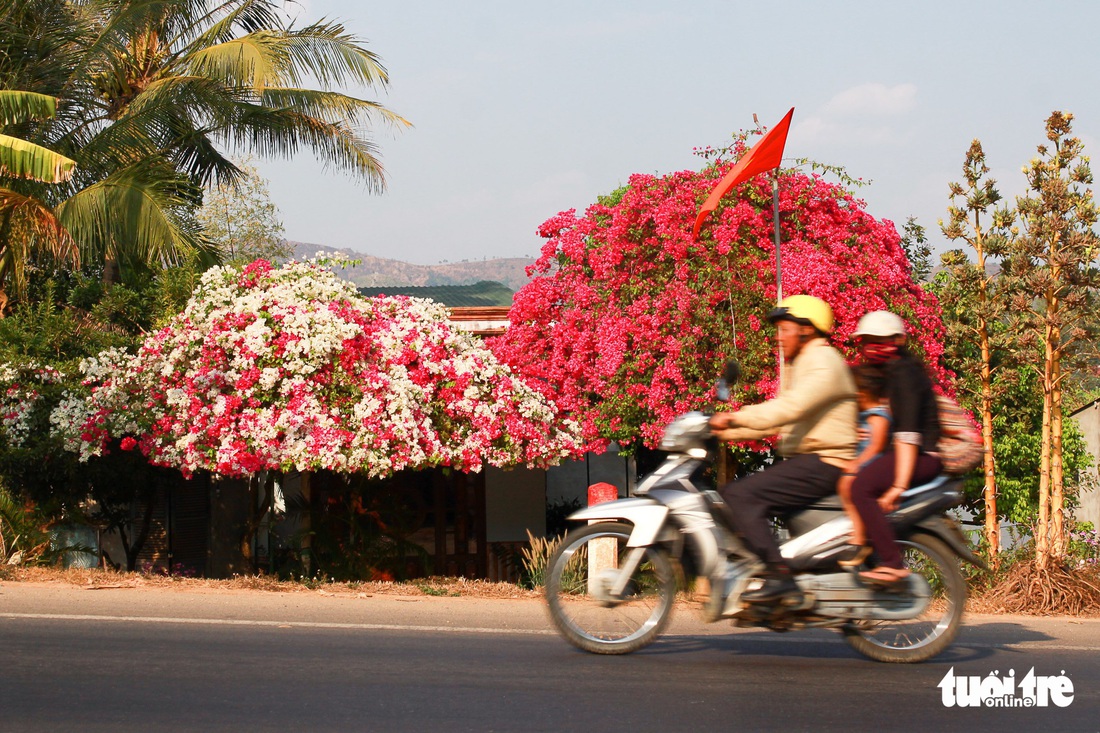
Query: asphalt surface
(124, 659)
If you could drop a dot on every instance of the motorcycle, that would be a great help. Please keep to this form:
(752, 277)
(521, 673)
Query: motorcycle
(611, 585)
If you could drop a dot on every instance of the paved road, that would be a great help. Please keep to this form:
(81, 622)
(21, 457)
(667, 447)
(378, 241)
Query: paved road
(137, 660)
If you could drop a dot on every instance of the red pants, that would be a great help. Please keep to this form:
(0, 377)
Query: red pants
(874, 480)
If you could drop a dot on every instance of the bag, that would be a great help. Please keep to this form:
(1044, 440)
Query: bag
(960, 446)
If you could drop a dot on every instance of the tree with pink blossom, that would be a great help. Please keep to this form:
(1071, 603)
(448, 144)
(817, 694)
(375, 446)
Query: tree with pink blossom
(291, 368)
(627, 320)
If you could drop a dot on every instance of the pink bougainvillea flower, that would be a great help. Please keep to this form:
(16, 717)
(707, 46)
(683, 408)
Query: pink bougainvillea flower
(291, 368)
(627, 319)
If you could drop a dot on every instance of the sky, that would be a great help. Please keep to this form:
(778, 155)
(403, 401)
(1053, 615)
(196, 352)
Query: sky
(521, 110)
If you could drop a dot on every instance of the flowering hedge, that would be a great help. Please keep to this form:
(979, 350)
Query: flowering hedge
(627, 320)
(292, 368)
(21, 388)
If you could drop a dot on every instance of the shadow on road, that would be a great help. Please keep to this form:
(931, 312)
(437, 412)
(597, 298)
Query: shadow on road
(974, 643)
(1001, 633)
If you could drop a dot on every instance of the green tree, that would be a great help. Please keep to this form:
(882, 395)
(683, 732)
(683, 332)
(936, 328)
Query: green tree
(1053, 267)
(69, 317)
(915, 243)
(153, 94)
(1017, 430)
(242, 220)
(125, 198)
(975, 298)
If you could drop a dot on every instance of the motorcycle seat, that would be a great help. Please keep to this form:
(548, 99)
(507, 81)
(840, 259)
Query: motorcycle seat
(938, 485)
(829, 503)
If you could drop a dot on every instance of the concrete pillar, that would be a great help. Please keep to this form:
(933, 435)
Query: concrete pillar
(602, 552)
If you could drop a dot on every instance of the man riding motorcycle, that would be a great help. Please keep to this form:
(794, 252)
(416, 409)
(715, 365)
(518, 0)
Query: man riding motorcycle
(814, 415)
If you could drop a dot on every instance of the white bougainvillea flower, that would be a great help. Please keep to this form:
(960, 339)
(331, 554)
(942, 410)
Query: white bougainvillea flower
(291, 368)
(20, 386)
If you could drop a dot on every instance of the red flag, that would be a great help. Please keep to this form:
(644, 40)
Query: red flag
(765, 155)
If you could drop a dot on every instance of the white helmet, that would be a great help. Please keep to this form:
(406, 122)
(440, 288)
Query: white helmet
(880, 323)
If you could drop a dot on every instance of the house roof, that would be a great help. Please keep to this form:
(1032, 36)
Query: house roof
(479, 295)
(1092, 403)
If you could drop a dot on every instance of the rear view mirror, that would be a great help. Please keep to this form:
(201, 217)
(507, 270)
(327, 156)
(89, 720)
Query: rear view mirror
(730, 374)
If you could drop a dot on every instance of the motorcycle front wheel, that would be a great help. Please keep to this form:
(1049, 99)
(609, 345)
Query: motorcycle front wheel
(604, 597)
(923, 637)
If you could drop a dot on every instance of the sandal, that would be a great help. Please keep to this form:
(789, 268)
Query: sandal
(853, 556)
(886, 577)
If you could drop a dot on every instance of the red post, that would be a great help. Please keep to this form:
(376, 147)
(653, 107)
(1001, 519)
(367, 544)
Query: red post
(601, 493)
(603, 553)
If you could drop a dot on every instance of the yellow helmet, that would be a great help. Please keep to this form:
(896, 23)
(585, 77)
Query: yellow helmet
(807, 310)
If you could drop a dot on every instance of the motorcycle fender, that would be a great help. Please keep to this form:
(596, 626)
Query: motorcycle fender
(647, 516)
(948, 531)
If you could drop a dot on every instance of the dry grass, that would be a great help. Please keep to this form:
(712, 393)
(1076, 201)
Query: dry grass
(98, 578)
(1024, 588)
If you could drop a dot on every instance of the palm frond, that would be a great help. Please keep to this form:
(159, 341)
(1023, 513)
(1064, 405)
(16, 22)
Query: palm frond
(27, 218)
(152, 96)
(23, 159)
(109, 24)
(16, 106)
(332, 106)
(142, 213)
(281, 132)
(256, 61)
(37, 39)
(225, 18)
(196, 155)
(326, 52)
(168, 113)
(29, 228)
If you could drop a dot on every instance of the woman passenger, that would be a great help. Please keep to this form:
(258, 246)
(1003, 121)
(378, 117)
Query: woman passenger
(911, 458)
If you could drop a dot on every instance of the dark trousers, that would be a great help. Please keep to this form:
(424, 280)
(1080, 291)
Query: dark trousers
(874, 480)
(790, 484)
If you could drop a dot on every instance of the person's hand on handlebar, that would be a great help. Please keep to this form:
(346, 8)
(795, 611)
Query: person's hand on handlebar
(723, 421)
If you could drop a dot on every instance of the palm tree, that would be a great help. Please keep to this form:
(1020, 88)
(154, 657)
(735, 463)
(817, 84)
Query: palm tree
(155, 96)
(190, 75)
(25, 228)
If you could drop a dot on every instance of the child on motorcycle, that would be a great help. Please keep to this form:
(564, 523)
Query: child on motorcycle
(873, 427)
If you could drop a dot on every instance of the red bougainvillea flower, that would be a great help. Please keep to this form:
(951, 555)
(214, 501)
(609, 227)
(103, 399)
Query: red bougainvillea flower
(627, 320)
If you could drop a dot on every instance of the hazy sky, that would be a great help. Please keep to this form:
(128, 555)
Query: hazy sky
(521, 110)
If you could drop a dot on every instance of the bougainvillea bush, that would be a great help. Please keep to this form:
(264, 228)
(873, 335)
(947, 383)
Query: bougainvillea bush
(626, 320)
(292, 368)
(20, 391)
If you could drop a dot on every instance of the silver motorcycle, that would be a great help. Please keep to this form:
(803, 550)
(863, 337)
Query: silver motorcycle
(611, 585)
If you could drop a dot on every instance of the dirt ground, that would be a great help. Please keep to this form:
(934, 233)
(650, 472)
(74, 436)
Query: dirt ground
(981, 603)
(98, 578)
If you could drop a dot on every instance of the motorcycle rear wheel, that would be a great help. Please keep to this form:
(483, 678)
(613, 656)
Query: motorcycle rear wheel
(582, 602)
(921, 638)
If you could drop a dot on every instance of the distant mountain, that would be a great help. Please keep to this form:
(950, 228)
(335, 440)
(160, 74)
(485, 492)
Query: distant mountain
(381, 272)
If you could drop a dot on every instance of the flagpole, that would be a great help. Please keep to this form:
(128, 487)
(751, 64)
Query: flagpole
(764, 156)
(775, 221)
(778, 261)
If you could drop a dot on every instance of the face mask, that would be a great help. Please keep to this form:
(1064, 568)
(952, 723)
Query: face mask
(879, 353)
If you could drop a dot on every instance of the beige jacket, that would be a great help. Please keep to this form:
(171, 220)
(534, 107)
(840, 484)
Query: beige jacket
(814, 412)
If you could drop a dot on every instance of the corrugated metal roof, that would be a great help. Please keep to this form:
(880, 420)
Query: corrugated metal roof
(484, 293)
